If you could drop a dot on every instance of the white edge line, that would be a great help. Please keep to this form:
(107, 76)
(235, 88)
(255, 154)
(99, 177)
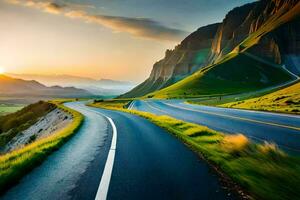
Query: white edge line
(291, 73)
(106, 176)
(131, 105)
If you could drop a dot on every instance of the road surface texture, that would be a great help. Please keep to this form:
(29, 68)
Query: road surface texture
(282, 129)
(148, 163)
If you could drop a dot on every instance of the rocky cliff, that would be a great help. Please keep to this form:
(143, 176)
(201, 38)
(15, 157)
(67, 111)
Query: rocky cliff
(267, 31)
(280, 46)
(189, 56)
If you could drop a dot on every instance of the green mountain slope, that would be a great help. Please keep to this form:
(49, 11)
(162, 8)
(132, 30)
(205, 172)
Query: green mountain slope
(187, 57)
(284, 100)
(237, 72)
(255, 47)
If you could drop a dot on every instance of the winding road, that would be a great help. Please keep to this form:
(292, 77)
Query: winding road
(282, 129)
(117, 155)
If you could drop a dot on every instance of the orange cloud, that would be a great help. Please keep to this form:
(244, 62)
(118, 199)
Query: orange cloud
(45, 6)
(138, 27)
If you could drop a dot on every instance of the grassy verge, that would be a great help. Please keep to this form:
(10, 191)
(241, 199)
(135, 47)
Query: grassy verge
(14, 165)
(262, 169)
(286, 100)
(224, 99)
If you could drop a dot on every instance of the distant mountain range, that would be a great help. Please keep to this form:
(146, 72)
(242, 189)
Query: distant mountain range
(96, 87)
(256, 46)
(19, 88)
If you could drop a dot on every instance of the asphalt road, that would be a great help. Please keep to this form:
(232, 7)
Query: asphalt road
(282, 129)
(145, 162)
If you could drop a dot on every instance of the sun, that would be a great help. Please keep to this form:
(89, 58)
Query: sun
(2, 70)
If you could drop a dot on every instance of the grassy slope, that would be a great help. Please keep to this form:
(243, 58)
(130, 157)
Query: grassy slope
(14, 165)
(14, 123)
(284, 100)
(208, 81)
(9, 108)
(238, 74)
(263, 170)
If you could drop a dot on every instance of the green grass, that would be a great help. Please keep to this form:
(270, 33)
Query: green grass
(286, 100)
(213, 101)
(9, 108)
(261, 169)
(14, 165)
(235, 74)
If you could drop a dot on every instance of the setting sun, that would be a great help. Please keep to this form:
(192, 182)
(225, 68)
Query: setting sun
(2, 70)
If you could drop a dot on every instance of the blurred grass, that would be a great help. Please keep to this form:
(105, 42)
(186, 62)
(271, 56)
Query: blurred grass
(263, 170)
(14, 165)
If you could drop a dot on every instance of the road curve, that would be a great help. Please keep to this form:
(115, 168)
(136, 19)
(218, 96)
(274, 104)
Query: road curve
(283, 129)
(74, 171)
(148, 164)
(152, 164)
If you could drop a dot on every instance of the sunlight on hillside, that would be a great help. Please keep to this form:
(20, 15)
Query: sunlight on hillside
(285, 100)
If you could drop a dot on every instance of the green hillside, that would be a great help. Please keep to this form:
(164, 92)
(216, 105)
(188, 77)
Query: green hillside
(237, 74)
(150, 85)
(284, 100)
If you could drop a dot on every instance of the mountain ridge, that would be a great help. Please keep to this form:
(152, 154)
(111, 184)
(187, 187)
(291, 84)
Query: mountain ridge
(94, 86)
(186, 58)
(267, 29)
(18, 87)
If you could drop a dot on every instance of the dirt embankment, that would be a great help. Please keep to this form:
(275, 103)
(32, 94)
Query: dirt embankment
(45, 126)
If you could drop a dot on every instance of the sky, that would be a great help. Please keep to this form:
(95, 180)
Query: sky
(115, 39)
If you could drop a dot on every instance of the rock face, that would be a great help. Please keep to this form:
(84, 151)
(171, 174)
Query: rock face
(53, 122)
(189, 56)
(278, 43)
(279, 46)
(233, 30)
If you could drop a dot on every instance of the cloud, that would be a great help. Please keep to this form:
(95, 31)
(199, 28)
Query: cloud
(138, 27)
(46, 6)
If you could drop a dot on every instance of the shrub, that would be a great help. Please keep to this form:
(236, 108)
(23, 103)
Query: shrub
(235, 143)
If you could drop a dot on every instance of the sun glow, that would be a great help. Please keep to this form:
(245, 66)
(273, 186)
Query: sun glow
(2, 70)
